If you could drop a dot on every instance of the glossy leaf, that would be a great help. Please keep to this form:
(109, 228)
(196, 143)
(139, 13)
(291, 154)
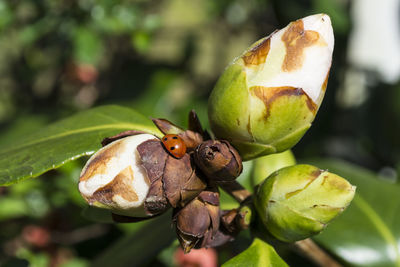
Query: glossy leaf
(368, 232)
(66, 140)
(259, 254)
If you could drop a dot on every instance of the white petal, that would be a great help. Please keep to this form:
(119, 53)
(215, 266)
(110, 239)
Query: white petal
(309, 67)
(118, 159)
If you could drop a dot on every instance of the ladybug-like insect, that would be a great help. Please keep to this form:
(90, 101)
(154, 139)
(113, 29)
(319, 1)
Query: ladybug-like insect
(174, 145)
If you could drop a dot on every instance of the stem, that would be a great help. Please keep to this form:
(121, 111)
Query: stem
(236, 190)
(315, 253)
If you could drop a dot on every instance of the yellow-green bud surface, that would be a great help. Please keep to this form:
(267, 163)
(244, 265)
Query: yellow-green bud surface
(299, 201)
(266, 165)
(267, 98)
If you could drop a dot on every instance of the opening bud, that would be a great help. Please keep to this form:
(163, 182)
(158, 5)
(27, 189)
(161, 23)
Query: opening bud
(135, 176)
(113, 178)
(267, 98)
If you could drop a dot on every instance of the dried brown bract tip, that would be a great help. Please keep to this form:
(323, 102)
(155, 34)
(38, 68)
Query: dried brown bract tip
(167, 127)
(121, 135)
(198, 221)
(191, 140)
(218, 160)
(236, 220)
(194, 123)
(190, 137)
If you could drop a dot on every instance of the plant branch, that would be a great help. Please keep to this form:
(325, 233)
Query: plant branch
(236, 190)
(315, 253)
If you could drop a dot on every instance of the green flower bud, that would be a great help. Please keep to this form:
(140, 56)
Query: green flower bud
(267, 98)
(299, 201)
(264, 166)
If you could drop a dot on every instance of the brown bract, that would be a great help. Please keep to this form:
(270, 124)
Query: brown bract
(181, 180)
(218, 160)
(174, 182)
(195, 125)
(198, 221)
(192, 137)
(296, 39)
(153, 158)
(111, 139)
(167, 127)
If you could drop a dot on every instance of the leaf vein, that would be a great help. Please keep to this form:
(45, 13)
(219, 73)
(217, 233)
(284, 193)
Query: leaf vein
(380, 225)
(77, 131)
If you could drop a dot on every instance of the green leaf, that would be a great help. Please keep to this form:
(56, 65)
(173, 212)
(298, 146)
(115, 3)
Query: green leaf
(67, 140)
(368, 232)
(140, 246)
(258, 254)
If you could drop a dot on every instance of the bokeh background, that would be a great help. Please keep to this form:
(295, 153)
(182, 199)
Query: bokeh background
(163, 58)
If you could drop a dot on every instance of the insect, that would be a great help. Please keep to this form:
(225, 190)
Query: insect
(174, 145)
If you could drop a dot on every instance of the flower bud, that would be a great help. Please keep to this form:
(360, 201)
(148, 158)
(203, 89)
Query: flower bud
(198, 221)
(113, 178)
(299, 201)
(266, 165)
(218, 160)
(135, 176)
(267, 98)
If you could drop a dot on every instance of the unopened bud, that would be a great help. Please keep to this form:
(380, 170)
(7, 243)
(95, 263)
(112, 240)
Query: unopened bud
(299, 201)
(218, 160)
(266, 165)
(267, 98)
(135, 176)
(113, 178)
(198, 221)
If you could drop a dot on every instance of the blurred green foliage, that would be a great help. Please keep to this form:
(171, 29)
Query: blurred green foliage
(162, 58)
